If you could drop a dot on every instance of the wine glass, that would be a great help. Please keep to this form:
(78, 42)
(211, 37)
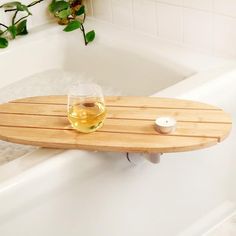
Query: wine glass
(86, 107)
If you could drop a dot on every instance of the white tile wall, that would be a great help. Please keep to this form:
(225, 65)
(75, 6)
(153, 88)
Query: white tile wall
(122, 13)
(199, 4)
(102, 9)
(174, 2)
(39, 12)
(144, 13)
(170, 22)
(226, 7)
(208, 25)
(225, 35)
(198, 28)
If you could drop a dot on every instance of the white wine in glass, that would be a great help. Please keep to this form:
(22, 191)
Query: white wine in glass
(86, 107)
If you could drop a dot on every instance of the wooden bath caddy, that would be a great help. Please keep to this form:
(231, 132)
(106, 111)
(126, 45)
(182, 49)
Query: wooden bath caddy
(129, 126)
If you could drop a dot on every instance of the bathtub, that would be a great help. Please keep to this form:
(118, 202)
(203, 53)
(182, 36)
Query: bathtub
(75, 192)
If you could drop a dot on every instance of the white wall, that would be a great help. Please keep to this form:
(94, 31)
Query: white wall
(205, 25)
(39, 11)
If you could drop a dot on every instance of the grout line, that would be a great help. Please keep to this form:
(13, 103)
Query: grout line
(212, 6)
(91, 6)
(157, 20)
(183, 27)
(212, 15)
(194, 8)
(111, 10)
(132, 14)
(213, 29)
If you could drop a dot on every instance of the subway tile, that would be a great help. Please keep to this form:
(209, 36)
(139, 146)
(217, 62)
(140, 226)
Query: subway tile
(198, 29)
(170, 22)
(174, 2)
(102, 10)
(122, 12)
(193, 24)
(40, 14)
(199, 4)
(226, 7)
(88, 6)
(145, 19)
(4, 18)
(224, 35)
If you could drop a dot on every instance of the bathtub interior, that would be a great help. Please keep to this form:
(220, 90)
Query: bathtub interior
(77, 189)
(51, 70)
(131, 72)
(109, 64)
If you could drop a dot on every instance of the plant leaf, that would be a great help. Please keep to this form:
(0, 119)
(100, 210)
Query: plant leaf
(23, 7)
(51, 5)
(81, 11)
(11, 4)
(58, 6)
(90, 36)
(21, 28)
(18, 5)
(3, 43)
(73, 25)
(64, 13)
(12, 30)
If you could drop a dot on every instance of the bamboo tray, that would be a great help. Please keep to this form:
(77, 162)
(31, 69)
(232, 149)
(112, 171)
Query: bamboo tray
(129, 126)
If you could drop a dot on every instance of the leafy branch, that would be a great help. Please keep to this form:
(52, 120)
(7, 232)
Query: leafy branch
(18, 25)
(72, 14)
(68, 12)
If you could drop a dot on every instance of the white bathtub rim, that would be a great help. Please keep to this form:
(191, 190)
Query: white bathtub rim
(197, 80)
(211, 220)
(13, 171)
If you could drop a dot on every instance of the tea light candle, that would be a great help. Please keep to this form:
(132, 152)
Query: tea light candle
(165, 125)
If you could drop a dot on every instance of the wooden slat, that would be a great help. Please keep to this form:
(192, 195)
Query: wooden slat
(187, 129)
(34, 109)
(70, 139)
(129, 127)
(179, 115)
(128, 102)
(144, 113)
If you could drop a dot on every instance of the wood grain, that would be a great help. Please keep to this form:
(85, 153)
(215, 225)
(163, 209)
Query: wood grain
(127, 102)
(129, 127)
(188, 129)
(140, 113)
(99, 141)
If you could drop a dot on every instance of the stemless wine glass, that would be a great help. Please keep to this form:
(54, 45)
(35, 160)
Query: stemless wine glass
(86, 107)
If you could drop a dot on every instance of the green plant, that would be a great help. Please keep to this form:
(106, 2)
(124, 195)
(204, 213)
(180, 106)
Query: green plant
(18, 24)
(68, 12)
(72, 14)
